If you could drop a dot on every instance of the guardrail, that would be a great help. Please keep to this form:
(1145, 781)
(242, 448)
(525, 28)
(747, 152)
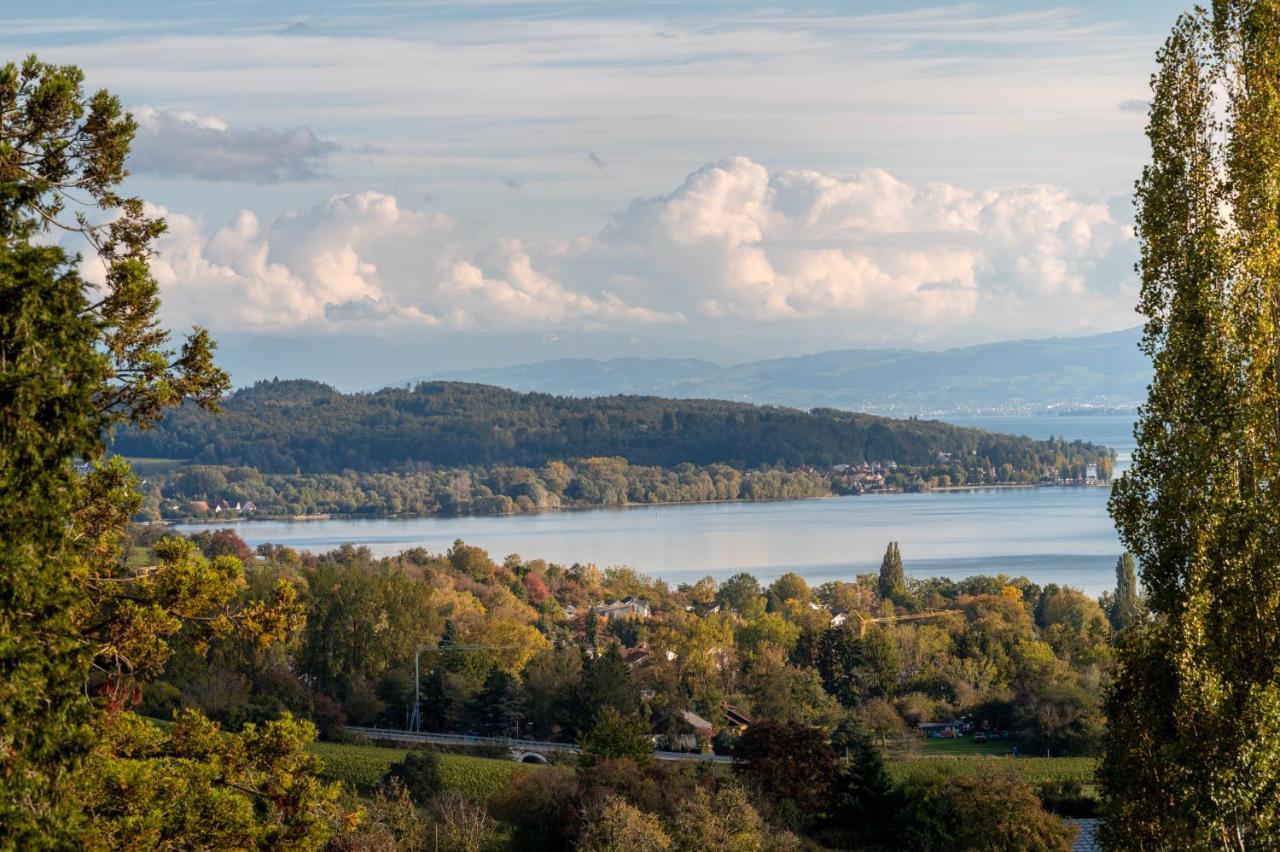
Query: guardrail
(540, 746)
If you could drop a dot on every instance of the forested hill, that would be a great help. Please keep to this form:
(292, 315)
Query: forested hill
(287, 426)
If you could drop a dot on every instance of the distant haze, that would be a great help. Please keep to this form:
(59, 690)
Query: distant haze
(1103, 371)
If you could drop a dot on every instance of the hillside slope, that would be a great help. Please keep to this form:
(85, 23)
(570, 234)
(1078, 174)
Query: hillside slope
(287, 426)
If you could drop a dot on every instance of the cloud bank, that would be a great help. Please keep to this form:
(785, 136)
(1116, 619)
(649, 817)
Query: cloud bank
(856, 256)
(181, 143)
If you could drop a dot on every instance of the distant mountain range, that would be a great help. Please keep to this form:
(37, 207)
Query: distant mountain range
(1098, 372)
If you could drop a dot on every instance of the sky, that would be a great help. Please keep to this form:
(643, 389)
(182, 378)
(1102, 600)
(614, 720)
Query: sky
(492, 183)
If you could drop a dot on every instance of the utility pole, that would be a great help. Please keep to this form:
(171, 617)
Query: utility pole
(415, 721)
(415, 718)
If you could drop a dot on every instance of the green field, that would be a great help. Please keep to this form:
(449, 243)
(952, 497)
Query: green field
(362, 766)
(145, 466)
(963, 747)
(1037, 770)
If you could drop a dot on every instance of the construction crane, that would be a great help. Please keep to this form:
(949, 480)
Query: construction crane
(864, 620)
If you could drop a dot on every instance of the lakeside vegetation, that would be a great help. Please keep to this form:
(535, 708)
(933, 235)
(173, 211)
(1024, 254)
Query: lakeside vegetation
(296, 448)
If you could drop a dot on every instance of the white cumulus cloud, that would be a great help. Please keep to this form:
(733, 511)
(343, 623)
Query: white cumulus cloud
(857, 256)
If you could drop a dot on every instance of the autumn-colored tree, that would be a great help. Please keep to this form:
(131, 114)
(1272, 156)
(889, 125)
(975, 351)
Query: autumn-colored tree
(611, 824)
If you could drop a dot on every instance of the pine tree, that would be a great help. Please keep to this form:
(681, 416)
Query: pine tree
(47, 419)
(893, 581)
(606, 682)
(1192, 753)
(80, 628)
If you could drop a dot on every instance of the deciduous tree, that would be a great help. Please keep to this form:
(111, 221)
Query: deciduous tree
(1192, 754)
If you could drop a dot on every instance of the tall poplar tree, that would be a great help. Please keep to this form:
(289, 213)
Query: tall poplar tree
(1126, 604)
(1192, 756)
(893, 581)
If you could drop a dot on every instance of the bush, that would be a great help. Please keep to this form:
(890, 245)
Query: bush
(994, 810)
(160, 700)
(655, 788)
(724, 742)
(463, 825)
(540, 807)
(1067, 799)
(721, 822)
(418, 773)
(610, 824)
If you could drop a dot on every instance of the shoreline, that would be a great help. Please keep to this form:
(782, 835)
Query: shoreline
(337, 516)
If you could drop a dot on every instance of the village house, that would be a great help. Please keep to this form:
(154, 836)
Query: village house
(634, 657)
(735, 720)
(629, 608)
(686, 731)
(942, 730)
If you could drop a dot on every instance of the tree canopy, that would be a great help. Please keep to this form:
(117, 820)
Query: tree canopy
(283, 426)
(1193, 748)
(81, 628)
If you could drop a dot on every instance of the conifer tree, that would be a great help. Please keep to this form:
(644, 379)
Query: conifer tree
(1192, 753)
(80, 628)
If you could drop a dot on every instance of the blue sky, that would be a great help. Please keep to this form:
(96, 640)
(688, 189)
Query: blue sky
(630, 177)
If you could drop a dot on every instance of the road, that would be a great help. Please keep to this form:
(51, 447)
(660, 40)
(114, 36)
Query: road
(542, 747)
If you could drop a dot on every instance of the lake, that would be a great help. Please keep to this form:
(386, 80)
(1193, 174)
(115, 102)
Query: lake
(1050, 535)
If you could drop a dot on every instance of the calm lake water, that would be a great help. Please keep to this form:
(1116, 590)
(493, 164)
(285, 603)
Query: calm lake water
(1059, 535)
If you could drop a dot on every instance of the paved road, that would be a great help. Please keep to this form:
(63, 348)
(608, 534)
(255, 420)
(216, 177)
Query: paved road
(543, 747)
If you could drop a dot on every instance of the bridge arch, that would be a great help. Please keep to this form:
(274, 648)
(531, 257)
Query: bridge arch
(530, 757)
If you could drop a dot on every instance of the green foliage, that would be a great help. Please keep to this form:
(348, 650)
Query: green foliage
(1033, 770)
(893, 580)
(364, 766)
(49, 372)
(193, 786)
(82, 627)
(1126, 604)
(280, 427)
(1192, 757)
(789, 763)
(992, 810)
(606, 683)
(418, 774)
(615, 736)
(742, 594)
(864, 791)
(363, 616)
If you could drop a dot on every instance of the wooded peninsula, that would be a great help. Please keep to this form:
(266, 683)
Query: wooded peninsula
(299, 447)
